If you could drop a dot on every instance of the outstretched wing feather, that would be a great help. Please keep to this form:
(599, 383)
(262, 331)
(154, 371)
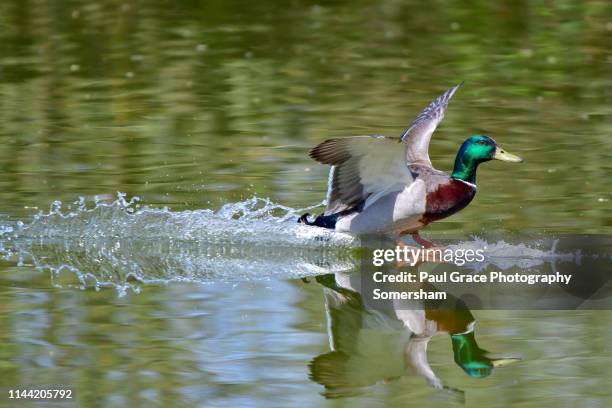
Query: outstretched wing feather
(418, 135)
(363, 167)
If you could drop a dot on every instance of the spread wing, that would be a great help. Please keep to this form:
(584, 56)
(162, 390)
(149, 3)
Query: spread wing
(364, 168)
(418, 134)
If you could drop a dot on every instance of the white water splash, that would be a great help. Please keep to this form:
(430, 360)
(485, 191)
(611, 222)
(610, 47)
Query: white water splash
(122, 244)
(505, 255)
(255, 220)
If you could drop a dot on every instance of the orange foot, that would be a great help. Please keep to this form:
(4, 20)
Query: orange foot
(432, 253)
(421, 241)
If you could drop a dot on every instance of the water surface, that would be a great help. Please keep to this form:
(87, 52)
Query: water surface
(193, 295)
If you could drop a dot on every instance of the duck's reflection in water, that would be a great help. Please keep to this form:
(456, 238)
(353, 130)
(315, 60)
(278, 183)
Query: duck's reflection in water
(373, 343)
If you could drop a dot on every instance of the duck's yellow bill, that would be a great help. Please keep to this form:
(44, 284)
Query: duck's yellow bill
(502, 155)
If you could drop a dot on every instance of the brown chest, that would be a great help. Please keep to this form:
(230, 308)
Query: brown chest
(447, 199)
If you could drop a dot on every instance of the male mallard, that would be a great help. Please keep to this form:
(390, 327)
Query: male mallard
(385, 185)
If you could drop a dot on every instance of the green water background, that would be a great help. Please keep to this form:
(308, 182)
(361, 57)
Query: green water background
(193, 104)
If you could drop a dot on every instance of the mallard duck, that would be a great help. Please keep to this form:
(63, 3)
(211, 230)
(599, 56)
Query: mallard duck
(387, 185)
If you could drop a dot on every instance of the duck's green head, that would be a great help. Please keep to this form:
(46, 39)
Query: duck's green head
(475, 150)
(476, 362)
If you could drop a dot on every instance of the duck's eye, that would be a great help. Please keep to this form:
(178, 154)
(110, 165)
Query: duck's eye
(482, 142)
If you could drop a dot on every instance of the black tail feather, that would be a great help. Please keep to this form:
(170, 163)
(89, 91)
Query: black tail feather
(323, 221)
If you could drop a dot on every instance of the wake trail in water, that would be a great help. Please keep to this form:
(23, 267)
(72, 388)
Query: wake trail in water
(123, 244)
(255, 220)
